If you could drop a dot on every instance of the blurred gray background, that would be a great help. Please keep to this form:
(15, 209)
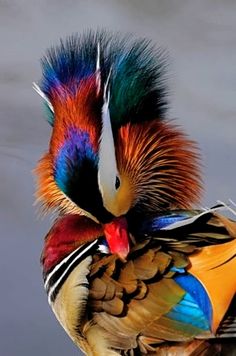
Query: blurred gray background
(200, 36)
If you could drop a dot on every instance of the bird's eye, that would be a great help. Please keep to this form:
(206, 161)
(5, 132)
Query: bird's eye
(117, 185)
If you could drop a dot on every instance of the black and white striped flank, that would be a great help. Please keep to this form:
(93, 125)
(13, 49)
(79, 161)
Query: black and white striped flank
(54, 279)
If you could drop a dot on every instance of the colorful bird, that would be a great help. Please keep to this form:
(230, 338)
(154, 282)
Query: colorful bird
(129, 266)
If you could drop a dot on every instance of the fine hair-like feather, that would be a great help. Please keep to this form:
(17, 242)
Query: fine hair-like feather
(137, 73)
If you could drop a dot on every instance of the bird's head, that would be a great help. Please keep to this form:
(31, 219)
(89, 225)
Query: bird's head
(111, 154)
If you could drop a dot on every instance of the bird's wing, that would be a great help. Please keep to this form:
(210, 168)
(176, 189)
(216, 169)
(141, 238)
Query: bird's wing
(140, 303)
(158, 294)
(163, 292)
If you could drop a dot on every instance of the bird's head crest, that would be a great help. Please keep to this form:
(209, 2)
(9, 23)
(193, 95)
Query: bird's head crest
(103, 92)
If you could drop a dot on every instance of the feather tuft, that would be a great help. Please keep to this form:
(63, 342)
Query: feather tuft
(137, 83)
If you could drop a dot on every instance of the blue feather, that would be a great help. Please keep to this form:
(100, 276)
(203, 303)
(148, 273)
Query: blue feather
(187, 311)
(195, 308)
(155, 224)
(76, 149)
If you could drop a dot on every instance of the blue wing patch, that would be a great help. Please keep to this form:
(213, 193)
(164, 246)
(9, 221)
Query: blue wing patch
(195, 307)
(155, 224)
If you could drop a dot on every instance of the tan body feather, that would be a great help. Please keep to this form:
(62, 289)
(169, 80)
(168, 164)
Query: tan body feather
(125, 308)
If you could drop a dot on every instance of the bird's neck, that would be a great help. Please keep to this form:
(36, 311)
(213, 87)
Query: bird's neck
(66, 235)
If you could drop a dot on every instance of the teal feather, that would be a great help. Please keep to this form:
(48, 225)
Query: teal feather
(195, 308)
(137, 84)
(48, 114)
(187, 311)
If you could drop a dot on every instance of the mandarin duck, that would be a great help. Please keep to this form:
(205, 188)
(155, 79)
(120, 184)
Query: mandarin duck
(130, 267)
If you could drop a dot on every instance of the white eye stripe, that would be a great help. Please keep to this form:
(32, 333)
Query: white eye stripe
(107, 167)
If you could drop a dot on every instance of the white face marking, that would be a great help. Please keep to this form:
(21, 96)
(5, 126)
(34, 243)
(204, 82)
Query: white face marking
(107, 167)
